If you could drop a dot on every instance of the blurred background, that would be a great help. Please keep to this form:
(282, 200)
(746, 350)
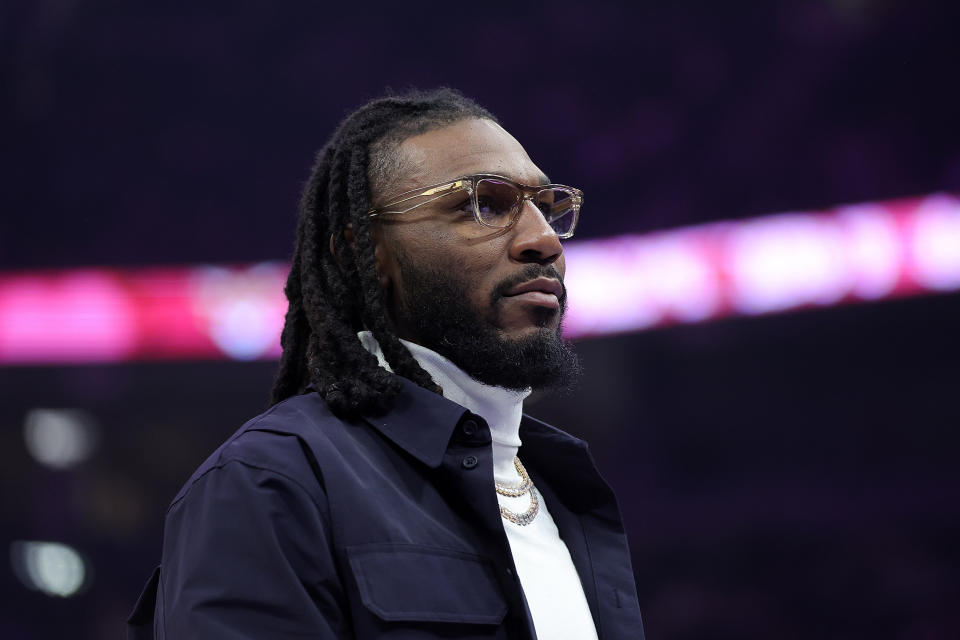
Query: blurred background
(768, 267)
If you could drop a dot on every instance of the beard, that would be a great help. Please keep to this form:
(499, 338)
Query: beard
(434, 302)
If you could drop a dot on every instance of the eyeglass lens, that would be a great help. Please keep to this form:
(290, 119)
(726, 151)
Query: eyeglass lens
(498, 201)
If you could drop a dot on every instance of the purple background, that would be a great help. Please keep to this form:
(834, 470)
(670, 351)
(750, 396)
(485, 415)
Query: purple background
(790, 476)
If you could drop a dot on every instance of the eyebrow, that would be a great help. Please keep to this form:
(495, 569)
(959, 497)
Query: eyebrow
(542, 178)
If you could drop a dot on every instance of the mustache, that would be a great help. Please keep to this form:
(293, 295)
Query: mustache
(529, 272)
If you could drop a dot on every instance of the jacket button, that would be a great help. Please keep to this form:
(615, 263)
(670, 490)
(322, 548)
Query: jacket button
(469, 427)
(469, 462)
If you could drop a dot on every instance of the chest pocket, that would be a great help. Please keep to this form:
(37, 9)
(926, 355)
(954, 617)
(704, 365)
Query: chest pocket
(417, 583)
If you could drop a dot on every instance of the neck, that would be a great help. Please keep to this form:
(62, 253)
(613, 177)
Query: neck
(501, 408)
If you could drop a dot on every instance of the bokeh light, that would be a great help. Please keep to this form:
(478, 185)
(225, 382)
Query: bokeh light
(52, 568)
(60, 438)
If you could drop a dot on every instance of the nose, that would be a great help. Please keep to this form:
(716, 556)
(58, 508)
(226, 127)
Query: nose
(534, 240)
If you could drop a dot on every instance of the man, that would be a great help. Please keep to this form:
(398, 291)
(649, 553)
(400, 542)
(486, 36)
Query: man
(394, 489)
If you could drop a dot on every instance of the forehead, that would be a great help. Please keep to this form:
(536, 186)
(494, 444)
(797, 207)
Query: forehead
(464, 148)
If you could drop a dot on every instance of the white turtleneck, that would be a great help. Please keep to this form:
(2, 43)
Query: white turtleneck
(549, 579)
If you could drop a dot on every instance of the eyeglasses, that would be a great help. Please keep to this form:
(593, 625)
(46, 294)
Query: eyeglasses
(496, 201)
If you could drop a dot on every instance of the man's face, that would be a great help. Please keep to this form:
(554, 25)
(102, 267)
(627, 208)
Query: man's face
(452, 284)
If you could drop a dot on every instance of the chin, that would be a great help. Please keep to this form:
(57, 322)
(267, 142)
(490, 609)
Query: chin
(540, 320)
(528, 331)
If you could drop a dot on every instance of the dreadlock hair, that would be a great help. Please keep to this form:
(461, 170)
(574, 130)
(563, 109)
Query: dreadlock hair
(332, 297)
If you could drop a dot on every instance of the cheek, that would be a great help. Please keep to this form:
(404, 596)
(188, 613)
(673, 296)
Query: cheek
(475, 278)
(473, 262)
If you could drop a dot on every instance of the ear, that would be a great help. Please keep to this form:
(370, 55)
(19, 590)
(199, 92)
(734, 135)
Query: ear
(379, 251)
(380, 256)
(348, 236)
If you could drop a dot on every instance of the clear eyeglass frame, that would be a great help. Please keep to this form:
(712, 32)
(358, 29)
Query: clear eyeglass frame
(469, 184)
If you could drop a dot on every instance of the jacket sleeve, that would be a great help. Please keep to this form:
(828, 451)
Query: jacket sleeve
(247, 554)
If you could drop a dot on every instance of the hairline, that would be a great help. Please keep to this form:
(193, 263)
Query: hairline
(386, 161)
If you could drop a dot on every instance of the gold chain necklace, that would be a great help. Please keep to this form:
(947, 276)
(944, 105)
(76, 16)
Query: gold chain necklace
(518, 490)
(525, 486)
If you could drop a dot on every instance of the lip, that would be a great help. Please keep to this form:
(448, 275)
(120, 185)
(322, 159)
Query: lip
(542, 291)
(538, 298)
(546, 285)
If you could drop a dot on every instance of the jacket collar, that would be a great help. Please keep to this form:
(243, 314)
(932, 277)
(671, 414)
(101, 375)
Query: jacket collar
(565, 463)
(420, 422)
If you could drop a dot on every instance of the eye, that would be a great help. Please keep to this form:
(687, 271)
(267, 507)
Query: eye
(488, 206)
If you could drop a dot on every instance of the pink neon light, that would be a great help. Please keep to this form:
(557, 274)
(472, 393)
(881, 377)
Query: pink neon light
(75, 317)
(629, 283)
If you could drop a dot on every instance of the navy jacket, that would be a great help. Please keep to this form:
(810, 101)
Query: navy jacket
(303, 525)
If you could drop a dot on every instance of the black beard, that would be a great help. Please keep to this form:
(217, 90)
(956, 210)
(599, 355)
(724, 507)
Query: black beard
(434, 303)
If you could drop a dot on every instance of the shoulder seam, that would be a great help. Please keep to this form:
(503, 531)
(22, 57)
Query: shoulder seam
(250, 465)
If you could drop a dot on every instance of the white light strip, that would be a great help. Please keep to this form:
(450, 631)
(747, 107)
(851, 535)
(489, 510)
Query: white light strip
(764, 265)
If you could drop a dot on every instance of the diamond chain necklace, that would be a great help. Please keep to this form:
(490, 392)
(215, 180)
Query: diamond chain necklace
(525, 486)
